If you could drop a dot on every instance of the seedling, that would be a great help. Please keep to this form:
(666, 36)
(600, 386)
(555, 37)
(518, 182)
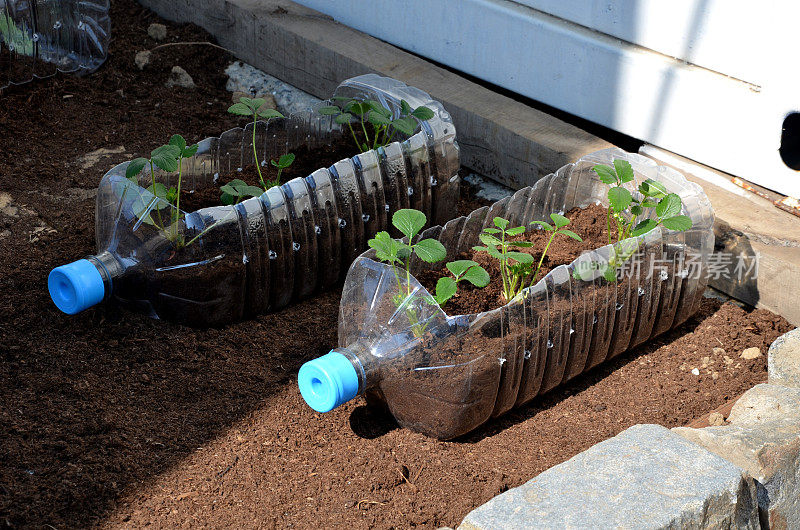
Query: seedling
(625, 211)
(515, 266)
(559, 222)
(169, 158)
(398, 253)
(379, 118)
(254, 108)
(237, 190)
(462, 270)
(282, 163)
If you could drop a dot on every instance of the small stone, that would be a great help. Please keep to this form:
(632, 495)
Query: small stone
(718, 351)
(751, 353)
(695, 371)
(157, 31)
(706, 362)
(728, 360)
(5, 200)
(180, 77)
(716, 419)
(142, 59)
(714, 375)
(784, 360)
(5, 233)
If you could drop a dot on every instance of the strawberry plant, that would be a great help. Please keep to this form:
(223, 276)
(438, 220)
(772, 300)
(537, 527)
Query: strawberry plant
(630, 216)
(379, 118)
(397, 253)
(254, 109)
(168, 158)
(517, 267)
(462, 270)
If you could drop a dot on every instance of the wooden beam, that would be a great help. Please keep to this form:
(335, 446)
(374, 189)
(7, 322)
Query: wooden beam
(499, 137)
(747, 226)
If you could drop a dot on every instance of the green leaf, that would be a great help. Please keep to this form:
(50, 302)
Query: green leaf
(240, 109)
(430, 250)
(409, 222)
(520, 257)
(491, 230)
(571, 234)
(158, 189)
(624, 170)
(135, 167)
(178, 141)
(521, 244)
(544, 225)
(610, 274)
(669, 206)
(515, 231)
(649, 203)
(636, 210)
(495, 253)
(270, 113)
(377, 119)
(459, 267)
(166, 157)
(343, 118)
(189, 151)
(619, 198)
(422, 113)
(329, 110)
(678, 223)
(255, 104)
(477, 275)
(445, 289)
(606, 173)
(652, 188)
(500, 223)
(405, 125)
(405, 108)
(227, 199)
(559, 220)
(357, 107)
(377, 108)
(644, 227)
(286, 160)
(386, 248)
(489, 240)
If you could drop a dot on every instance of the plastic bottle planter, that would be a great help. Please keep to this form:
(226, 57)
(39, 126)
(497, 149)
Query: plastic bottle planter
(462, 370)
(262, 253)
(38, 37)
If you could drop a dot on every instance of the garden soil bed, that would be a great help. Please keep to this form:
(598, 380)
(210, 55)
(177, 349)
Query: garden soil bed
(109, 418)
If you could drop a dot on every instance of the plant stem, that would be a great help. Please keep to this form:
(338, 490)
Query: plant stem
(158, 210)
(355, 138)
(541, 259)
(255, 154)
(364, 128)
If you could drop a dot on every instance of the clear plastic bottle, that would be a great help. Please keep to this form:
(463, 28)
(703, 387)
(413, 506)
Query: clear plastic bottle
(224, 263)
(445, 375)
(40, 37)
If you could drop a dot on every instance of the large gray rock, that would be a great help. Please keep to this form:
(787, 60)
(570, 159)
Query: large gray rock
(244, 78)
(784, 360)
(645, 477)
(763, 438)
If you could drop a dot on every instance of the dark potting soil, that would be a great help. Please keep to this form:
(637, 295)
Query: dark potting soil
(589, 223)
(109, 418)
(306, 162)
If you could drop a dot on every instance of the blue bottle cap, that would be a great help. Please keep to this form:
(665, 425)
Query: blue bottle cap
(76, 286)
(328, 381)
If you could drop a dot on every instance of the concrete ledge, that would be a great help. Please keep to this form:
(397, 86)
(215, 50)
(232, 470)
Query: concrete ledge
(645, 477)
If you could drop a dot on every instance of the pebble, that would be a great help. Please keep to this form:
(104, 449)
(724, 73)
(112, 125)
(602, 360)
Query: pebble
(716, 419)
(751, 353)
(728, 360)
(695, 371)
(180, 77)
(715, 375)
(142, 59)
(718, 351)
(157, 31)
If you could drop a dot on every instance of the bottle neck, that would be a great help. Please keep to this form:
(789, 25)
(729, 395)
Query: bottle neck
(109, 268)
(365, 366)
